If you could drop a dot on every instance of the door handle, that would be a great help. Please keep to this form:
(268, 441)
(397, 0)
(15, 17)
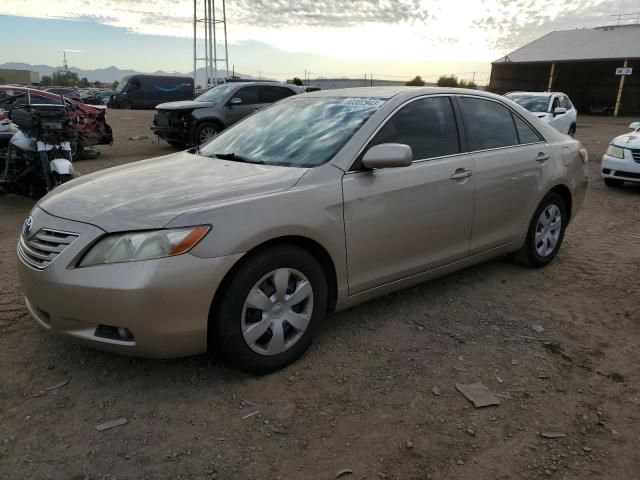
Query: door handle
(461, 173)
(542, 157)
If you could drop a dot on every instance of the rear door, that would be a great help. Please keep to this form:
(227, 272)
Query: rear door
(403, 221)
(513, 164)
(251, 102)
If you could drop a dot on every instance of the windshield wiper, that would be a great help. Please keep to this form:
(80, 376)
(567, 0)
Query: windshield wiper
(236, 158)
(194, 150)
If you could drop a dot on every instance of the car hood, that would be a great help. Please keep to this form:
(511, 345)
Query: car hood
(628, 140)
(151, 193)
(184, 105)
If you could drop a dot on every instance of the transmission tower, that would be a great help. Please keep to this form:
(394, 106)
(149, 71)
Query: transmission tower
(209, 30)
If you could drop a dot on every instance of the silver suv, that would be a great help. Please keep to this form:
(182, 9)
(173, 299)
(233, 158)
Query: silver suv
(194, 122)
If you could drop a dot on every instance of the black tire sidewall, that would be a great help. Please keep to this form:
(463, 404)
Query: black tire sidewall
(534, 258)
(225, 322)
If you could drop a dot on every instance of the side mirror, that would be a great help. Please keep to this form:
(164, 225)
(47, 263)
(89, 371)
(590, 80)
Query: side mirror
(559, 111)
(235, 101)
(634, 125)
(388, 155)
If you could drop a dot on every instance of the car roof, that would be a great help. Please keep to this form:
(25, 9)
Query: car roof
(537, 94)
(388, 92)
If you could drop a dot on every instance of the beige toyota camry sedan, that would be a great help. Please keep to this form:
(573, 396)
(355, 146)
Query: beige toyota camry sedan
(319, 202)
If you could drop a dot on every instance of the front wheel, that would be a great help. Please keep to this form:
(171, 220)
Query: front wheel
(572, 130)
(546, 232)
(205, 132)
(270, 311)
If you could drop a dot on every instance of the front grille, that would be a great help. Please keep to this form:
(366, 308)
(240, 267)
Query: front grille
(636, 155)
(163, 119)
(41, 249)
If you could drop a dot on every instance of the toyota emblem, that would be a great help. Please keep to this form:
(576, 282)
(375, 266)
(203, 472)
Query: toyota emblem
(28, 225)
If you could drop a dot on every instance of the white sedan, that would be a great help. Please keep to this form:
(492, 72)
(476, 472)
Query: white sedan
(621, 162)
(554, 108)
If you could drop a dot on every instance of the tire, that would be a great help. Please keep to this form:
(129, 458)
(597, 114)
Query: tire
(178, 145)
(540, 249)
(125, 105)
(613, 182)
(60, 179)
(204, 132)
(572, 130)
(246, 336)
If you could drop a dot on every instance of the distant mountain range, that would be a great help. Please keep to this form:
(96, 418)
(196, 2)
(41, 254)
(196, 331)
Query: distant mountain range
(108, 74)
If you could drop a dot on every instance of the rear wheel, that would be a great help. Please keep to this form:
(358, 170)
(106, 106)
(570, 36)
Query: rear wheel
(270, 311)
(613, 182)
(546, 232)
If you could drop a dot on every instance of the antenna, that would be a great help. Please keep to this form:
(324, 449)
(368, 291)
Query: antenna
(209, 23)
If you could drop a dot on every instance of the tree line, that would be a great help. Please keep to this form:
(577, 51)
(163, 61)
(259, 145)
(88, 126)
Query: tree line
(444, 81)
(62, 78)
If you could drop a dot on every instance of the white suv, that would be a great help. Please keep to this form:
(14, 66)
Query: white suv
(621, 162)
(554, 108)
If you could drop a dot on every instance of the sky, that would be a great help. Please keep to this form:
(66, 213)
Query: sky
(283, 38)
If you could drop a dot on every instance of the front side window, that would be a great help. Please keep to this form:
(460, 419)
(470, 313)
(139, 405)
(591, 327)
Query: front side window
(248, 95)
(488, 124)
(273, 94)
(427, 125)
(298, 132)
(42, 100)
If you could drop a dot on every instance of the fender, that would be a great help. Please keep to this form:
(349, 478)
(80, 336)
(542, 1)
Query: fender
(61, 166)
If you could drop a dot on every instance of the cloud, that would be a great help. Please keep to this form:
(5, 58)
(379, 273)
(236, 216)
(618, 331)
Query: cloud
(327, 13)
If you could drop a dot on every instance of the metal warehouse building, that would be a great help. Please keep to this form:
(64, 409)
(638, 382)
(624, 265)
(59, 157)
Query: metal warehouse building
(596, 67)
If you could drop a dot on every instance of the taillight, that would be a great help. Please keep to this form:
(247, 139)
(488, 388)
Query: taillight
(584, 155)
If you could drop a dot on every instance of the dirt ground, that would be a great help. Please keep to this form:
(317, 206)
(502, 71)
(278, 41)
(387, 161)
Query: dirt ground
(375, 397)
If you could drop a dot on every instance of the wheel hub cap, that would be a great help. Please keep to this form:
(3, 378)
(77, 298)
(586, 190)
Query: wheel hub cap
(277, 311)
(548, 230)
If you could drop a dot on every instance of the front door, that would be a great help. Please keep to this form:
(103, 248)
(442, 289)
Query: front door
(250, 102)
(403, 221)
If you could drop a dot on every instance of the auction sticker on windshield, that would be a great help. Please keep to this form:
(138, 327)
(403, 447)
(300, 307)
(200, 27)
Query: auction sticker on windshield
(363, 102)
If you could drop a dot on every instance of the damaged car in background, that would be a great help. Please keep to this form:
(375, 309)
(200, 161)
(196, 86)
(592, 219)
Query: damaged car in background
(90, 122)
(194, 122)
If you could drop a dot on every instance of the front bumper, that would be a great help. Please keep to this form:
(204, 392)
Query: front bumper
(163, 303)
(173, 126)
(626, 168)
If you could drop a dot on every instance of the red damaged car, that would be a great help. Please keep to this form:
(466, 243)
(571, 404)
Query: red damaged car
(88, 120)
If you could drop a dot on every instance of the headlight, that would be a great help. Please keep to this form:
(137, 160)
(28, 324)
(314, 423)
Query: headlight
(134, 246)
(614, 151)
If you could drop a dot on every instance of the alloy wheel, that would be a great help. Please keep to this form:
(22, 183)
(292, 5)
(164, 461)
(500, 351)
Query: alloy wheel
(548, 230)
(277, 311)
(206, 134)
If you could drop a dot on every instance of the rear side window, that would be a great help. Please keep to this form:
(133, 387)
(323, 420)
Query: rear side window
(273, 94)
(427, 125)
(488, 124)
(525, 133)
(248, 95)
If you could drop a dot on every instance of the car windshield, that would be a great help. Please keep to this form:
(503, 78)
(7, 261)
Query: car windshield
(122, 84)
(214, 94)
(533, 103)
(299, 132)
